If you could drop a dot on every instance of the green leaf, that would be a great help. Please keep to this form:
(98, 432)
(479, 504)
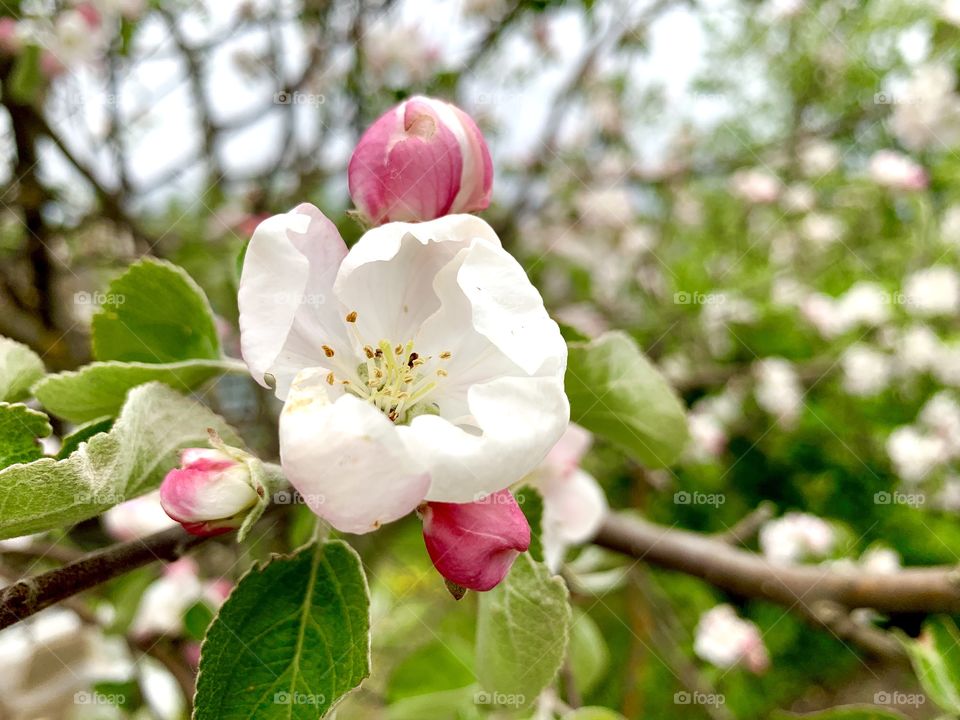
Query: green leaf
(589, 656)
(26, 78)
(847, 712)
(593, 713)
(20, 368)
(618, 394)
(458, 704)
(71, 442)
(197, 619)
(935, 656)
(98, 390)
(522, 629)
(19, 429)
(110, 467)
(436, 667)
(292, 638)
(531, 503)
(155, 313)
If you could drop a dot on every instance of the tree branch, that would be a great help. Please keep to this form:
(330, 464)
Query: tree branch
(31, 595)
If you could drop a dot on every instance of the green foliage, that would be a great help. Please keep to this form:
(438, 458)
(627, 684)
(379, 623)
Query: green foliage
(851, 712)
(20, 368)
(618, 394)
(129, 460)
(98, 390)
(523, 626)
(935, 656)
(19, 429)
(531, 503)
(291, 640)
(155, 313)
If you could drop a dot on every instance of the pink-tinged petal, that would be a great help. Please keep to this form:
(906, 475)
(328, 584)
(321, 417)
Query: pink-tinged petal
(565, 456)
(287, 307)
(346, 459)
(421, 160)
(574, 507)
(209, 494)
(474, 544)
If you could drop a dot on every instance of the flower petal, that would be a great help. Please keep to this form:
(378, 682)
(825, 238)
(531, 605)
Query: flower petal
(346, 458)
(573, 509)
(519, 419)
(287, 307)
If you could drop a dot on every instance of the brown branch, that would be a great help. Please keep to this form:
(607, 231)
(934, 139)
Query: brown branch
(31, 595)
(928, 589)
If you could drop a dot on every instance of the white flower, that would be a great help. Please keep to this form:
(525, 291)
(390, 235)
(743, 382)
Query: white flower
(880, 560)
(818, 158)
(927, 113)
(932, 291)
(708, 437)
(918, 349)
(866, 371)
(165, 601)
(725, 640)
(137, 518)
(821, 311)
(606, 208)
(419, 366)
(796, 536)
(941, 414)
(865, 303)
(947, 367)
(914, 454)
(399, 55)
(950, 11)
(821, 229)
(573, 502)
(799, 198)
(895, 170)
(756, 185)
(950, 225)
(778, 389)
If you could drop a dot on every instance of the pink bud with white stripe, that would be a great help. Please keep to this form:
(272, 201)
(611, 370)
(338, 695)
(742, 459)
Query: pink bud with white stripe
(209, 493)
(421, 160)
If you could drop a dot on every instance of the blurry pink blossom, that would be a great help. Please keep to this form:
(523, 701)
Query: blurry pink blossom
(897, 171)
(726, 640)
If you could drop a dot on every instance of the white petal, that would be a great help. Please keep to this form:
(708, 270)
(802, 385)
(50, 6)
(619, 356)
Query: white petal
(519, 419)
(388, 275)
(509, 311)
(287, 307)
(573, 509)
(346, 458)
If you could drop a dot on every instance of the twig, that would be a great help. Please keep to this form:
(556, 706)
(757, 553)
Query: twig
(29, 596)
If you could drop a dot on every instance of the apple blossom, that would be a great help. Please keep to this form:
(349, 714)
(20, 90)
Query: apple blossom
(421, 160)
(866, 371)
(573, 502)
(796, 536)
(209, 493)
(165, 601)
(914, 453)
(932, 291)
(137, 518)
(726, 640)
(927, 112)
(818, 157)
(419, 366)
(756, 186)
(895, 170)
(474, 544)
(778, 389)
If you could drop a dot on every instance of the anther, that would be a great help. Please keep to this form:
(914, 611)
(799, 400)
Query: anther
(327, 350)
(352, 316)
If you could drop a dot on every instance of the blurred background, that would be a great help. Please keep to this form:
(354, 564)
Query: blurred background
(764, 194)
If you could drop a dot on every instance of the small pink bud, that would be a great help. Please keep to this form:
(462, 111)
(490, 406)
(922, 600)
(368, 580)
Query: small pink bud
(90, 14)
(421, 160)
(209, 493)
(10, 43)
(474, 544)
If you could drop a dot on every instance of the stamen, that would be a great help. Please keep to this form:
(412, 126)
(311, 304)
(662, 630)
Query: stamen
(446, 355)
(330, 379)
(328, 351)
(352, 316)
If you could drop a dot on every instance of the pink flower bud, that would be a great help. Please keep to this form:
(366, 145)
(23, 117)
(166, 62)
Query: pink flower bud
(474, 544)
(10, 43)
(421, 160)
(209, 493)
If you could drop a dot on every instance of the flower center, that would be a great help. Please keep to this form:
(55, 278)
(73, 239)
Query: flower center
(392, 376)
